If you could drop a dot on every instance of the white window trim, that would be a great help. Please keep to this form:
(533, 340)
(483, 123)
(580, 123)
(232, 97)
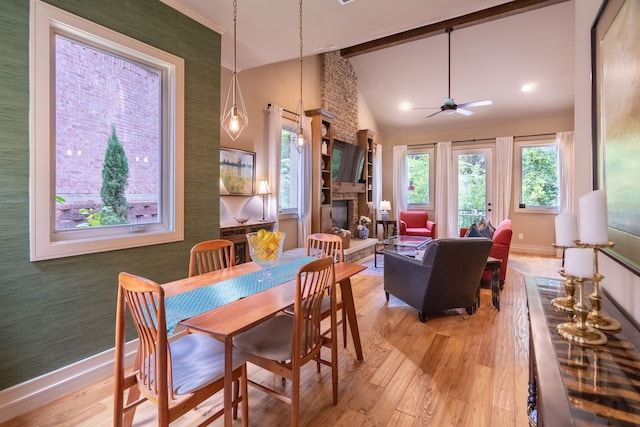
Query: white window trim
(287, 213)
(432, 155)
(44, 242)
(517, 173)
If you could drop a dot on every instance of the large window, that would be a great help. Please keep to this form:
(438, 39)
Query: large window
(538, 171)
(289, 180)
(106, 139)
(420, 178)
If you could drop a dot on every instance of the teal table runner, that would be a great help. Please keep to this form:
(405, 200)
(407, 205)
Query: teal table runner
(197, 301)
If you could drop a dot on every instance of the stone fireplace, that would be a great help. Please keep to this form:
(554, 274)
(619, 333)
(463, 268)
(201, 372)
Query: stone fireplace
(345, 210)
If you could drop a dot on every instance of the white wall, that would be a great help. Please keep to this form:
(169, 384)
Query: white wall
(276, 84)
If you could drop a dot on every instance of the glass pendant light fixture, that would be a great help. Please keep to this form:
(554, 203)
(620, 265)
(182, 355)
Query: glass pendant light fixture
(234, 118)
(299, 141)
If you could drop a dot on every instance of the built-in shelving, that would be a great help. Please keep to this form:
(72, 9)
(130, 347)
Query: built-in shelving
(321, 155)
(365, 199)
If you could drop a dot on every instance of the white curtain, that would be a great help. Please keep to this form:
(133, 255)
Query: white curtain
(567, 165)
(446, 217)
(504, 177)
(274, 138)
(304, 186)
(400, 183)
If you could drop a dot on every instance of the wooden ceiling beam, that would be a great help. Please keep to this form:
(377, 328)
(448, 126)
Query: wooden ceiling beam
(480, 17)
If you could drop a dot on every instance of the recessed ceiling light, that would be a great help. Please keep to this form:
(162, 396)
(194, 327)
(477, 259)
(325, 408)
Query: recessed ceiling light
(527, 87)
(405, 106)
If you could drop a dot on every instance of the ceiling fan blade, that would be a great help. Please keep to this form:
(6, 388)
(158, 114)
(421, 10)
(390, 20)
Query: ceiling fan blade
(465, 112)
(425, 108)
(476, 104)
(431, 115)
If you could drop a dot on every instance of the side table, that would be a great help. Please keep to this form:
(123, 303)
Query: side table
(386, 222)
(493, 264)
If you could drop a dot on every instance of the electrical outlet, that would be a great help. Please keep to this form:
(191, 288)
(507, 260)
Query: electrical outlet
(520, 236)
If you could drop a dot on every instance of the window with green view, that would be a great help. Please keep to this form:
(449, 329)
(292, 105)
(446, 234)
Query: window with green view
(540, 188)
(419, 178)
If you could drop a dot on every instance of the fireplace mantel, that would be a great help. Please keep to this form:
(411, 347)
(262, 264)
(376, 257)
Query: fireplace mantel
(347, 187)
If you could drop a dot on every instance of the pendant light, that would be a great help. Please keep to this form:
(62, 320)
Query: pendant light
(299, 141)
(234, 118)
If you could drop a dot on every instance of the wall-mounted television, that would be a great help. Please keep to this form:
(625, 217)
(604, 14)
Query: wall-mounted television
(347, 162)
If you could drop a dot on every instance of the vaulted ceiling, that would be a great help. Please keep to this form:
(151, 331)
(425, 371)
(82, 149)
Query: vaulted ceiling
(399, 52)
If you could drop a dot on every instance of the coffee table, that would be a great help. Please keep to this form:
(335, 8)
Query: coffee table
(400, 244)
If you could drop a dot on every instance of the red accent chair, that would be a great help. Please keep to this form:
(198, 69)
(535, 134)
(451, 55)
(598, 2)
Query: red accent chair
(416, 223)
(501, 245)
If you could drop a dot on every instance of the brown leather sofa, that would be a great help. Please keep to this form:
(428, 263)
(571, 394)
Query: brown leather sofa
(447, 277)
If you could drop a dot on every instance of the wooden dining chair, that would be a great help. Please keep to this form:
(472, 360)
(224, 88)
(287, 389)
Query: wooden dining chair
(211, 255)
(283, 344)
(325, 244)
(176, 376)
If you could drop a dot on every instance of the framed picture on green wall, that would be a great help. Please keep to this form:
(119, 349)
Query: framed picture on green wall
(237, 172)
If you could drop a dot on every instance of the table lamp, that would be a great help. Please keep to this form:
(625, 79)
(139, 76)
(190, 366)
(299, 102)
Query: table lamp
(385, 206)
(263, 190)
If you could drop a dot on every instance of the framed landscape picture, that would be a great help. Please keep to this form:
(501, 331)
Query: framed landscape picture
(237, 172)
(616, 124)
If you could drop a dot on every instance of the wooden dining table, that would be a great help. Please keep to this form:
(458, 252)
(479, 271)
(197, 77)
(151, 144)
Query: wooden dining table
(229, 320)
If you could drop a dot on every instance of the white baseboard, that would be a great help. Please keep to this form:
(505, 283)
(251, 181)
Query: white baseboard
(47, 388)
(533, 249)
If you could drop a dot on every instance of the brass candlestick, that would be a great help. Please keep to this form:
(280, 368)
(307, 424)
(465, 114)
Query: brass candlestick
(578, 331)
(565, 303)
(596, 317)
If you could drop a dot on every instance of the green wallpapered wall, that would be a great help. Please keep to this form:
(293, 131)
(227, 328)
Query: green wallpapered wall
(60, 311)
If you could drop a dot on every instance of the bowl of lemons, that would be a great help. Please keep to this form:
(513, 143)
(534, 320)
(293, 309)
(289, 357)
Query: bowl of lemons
(265, 248)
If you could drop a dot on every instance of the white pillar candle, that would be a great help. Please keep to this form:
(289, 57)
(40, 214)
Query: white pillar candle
(593, 218)
(578, 262)
(566, 229)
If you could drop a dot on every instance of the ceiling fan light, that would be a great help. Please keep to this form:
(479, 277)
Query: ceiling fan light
(449, 111)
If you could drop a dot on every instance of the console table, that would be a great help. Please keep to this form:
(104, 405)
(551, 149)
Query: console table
(237, 234)
(576, 385)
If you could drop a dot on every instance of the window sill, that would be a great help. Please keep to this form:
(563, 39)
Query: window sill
(287, 215)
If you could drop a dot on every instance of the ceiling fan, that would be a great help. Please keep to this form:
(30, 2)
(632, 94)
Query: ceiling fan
(449, 106)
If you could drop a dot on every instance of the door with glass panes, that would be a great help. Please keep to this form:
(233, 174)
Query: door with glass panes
(473, 183)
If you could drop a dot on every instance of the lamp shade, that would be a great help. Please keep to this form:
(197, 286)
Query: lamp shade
(263, 187)
(385, 205)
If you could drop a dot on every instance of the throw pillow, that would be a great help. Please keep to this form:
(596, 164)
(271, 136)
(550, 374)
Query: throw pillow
(472, 229)
(479, 230)
(491, 228)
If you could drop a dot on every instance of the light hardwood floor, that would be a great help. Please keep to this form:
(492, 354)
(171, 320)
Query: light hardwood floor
(455, 369)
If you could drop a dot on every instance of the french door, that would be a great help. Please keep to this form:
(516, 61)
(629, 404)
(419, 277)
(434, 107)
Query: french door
(473, 176)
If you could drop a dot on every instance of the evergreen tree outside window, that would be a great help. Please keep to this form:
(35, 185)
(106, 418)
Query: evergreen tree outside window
(115, 177)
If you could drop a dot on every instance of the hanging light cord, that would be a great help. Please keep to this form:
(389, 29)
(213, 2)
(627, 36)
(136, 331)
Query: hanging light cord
(300, 139)
(300, 50)
(235, 17)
